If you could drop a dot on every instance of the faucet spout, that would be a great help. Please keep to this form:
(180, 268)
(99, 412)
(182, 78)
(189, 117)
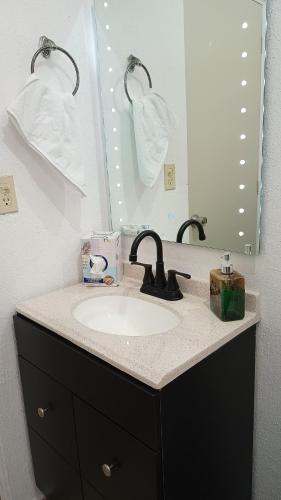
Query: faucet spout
(135, 245)
(188, 223)
(160, 278)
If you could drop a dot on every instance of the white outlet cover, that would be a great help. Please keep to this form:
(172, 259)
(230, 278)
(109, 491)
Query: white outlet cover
(8, 199)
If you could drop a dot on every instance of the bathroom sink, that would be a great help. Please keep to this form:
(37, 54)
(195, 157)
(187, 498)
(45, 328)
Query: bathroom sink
(122, 315)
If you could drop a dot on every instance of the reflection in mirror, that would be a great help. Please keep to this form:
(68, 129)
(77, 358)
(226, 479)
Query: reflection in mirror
(182, 97)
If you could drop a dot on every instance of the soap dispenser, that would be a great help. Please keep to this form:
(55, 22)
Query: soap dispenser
(227, 291)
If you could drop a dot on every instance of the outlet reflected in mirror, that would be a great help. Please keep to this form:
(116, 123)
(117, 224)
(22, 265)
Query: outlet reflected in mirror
(183, 116)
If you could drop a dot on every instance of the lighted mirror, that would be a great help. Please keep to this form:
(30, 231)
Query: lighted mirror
(189, 145)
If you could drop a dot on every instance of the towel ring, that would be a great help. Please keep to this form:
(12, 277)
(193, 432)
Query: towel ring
(47, 46)
(133, 62)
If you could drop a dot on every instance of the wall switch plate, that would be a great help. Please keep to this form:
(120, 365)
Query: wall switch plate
(170, 177)
(8, 200)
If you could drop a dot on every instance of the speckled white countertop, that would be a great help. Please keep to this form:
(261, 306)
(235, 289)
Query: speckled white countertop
(155, 360)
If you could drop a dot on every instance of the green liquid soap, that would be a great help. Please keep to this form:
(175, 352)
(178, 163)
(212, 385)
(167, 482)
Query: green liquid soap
(227, 292)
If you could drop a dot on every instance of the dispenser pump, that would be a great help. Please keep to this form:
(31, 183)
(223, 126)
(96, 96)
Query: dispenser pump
(226, 265)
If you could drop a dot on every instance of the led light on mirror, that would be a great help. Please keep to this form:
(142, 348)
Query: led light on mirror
(214, 115)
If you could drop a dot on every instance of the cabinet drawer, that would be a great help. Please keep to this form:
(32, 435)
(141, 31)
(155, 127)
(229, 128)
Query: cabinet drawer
(131, 404)
(55, 423)
(137, 472)
(90, 493)
(54, 477)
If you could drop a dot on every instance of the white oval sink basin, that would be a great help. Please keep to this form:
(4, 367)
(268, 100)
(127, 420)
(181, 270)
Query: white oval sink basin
(121, 315)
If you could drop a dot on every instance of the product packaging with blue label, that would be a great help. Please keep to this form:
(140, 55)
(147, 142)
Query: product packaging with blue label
(101, 259)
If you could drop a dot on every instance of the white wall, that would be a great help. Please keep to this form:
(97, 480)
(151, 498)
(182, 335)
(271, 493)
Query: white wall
(268, 280)
(39, 244)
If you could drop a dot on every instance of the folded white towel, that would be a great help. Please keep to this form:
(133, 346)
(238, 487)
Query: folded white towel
(47, 120)
(153, 125)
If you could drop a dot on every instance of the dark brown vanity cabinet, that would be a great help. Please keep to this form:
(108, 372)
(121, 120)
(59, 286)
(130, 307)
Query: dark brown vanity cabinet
(98, 434)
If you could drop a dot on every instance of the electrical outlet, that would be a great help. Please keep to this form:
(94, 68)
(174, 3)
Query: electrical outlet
(8, 200)
(170, 177)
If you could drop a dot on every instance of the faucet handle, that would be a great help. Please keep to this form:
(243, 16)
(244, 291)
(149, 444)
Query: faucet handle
(173, 285)
(148, 278)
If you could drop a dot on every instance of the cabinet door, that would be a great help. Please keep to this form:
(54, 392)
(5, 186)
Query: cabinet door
(54, 477)
(49, 410)
(113, 461)
(126, 401)
(90, 493)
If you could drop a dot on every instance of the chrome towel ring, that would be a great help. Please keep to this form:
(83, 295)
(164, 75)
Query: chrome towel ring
(46, 46)
(133, 62)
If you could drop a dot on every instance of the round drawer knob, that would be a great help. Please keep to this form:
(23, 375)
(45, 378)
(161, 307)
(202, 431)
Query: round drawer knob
(109, 469)
(42, 412)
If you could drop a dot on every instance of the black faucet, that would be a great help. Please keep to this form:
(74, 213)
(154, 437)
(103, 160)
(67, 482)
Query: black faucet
(188, 223)
(160, 278)
(157, 285)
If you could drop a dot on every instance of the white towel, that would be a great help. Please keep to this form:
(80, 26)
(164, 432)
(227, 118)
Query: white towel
(153, 125)
(47, 120)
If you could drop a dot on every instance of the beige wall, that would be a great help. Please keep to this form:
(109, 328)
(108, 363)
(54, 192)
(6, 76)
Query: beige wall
(214, 72)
